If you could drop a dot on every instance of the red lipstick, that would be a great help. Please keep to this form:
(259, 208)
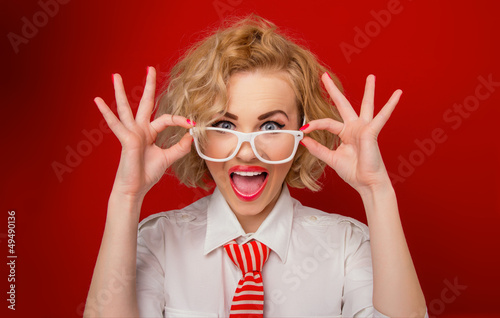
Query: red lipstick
(256, 190)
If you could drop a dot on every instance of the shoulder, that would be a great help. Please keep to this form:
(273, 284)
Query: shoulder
(320, 221)
(189, 216)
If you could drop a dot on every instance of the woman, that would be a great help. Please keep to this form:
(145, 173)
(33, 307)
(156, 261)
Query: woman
(244, 93)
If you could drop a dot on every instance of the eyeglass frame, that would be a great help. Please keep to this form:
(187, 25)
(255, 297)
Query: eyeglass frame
(249, 137)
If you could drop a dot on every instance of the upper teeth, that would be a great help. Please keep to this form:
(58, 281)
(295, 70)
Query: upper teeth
(248, 173)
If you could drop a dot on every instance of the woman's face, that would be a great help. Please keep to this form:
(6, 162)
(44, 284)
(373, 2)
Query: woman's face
(257, 101)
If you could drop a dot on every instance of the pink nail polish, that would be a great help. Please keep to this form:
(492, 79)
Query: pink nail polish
(113, 78)
(147, 70)
(302, 143)
(304, 127)
(188, 121)
(328, 75)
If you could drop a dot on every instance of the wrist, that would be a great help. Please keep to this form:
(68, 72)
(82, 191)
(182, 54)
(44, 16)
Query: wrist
(127, 201)
(380, 202)
(383, 187)
(124, 193)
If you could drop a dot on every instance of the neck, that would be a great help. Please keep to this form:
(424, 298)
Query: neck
(251, 223)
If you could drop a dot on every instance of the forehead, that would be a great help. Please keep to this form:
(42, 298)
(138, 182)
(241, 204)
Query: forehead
(253, 93)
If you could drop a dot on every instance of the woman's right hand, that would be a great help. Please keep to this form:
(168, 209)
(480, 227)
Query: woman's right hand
(142, 163)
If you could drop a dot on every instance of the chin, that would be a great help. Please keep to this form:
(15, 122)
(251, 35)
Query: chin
(256, 206)
(249, 189)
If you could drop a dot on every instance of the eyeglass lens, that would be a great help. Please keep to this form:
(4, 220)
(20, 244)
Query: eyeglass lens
(274, 146)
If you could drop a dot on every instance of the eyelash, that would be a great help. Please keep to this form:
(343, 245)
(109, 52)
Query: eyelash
(222, 121)
(280, 126)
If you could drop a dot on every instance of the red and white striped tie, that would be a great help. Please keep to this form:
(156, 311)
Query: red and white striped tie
(248, 300)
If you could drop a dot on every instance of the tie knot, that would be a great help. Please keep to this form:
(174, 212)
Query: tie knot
(249, 257)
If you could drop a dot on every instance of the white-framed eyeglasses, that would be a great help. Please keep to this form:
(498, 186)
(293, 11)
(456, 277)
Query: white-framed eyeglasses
(271, 146)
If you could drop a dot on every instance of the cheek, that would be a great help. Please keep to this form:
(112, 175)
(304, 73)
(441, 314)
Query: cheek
(217, 172)
(280, 173)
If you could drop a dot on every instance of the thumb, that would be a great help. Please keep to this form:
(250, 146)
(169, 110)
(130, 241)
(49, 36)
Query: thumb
(318, 150)
(179, 150)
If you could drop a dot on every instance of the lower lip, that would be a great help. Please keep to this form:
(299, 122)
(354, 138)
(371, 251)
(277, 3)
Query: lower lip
(250, 197)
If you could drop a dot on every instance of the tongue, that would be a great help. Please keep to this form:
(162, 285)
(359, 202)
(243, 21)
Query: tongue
(248, 185)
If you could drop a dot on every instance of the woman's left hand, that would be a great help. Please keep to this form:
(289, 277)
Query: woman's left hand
(357, 160)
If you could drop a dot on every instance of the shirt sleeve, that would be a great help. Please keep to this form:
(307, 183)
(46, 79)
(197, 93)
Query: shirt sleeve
(358, 283)
(357, 300)
(150, 275)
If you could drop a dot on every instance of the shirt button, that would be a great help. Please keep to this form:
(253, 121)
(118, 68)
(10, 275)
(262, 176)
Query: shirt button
(185, 216)
(313, 218)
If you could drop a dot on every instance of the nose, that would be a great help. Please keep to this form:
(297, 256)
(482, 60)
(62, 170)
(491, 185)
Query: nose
(246, 152)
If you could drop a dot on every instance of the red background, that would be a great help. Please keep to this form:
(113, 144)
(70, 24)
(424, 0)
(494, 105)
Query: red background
(434, 51)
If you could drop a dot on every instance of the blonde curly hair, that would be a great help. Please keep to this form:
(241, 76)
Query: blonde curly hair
(197, 89)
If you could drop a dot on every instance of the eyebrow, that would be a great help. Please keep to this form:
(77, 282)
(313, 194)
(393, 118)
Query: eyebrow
(269, 114)
(231, 116)
(261, 117)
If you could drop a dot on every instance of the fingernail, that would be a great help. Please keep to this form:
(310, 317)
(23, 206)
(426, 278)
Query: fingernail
(147, 70)
(302, 143)
(304, 127)
(192, 123)
(113, 78)
(328, 75)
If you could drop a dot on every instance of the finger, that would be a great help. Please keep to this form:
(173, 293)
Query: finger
(367, 104)
(114, 123)
(342, 104)
(147, 102)
(331, 125)
(386, 111)
(122, 105)
(318, 150)
(179, 150)
(165, 120)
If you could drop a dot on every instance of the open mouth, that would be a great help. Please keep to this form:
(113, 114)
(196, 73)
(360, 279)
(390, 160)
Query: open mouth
(248, 183)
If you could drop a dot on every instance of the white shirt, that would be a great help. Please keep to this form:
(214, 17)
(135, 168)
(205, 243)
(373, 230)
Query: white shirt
(319, 266)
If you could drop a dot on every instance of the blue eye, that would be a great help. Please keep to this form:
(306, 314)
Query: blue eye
(271, 125)
(224, 124)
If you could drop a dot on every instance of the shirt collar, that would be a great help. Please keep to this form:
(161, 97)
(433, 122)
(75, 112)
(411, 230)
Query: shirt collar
(275, 231)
